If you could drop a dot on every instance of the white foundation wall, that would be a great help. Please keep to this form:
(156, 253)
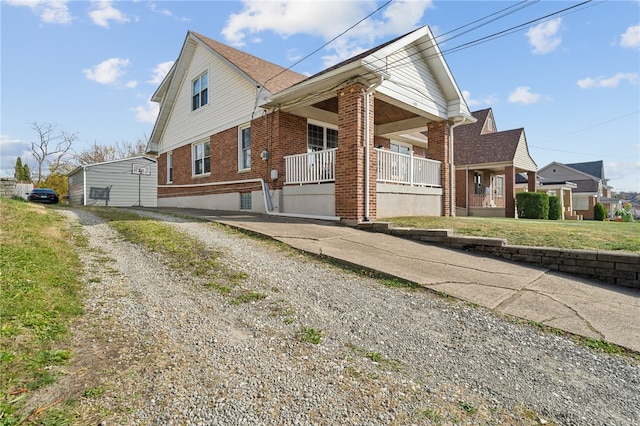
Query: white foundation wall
(318, 199)
(397, 200)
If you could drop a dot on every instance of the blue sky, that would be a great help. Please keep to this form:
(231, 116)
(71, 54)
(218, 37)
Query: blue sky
(570, 80)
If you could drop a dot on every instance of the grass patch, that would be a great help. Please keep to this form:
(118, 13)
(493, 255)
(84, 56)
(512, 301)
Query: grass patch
(39, 299)
(309, 335)
(468, 407)
(603, 346)
(590, 235)
(183, 253)
(385, 363)
(246, 296)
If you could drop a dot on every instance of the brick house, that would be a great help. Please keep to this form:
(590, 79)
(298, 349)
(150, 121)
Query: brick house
(235, 132)
(488, 163)
(591, 185)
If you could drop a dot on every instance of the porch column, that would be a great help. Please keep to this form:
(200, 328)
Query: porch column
(509, 191)
(350, 156)
(531, 178)
(439, 149)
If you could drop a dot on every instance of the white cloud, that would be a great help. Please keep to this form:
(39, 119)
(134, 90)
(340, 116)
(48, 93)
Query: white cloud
(103, 11)
(631, 37)
(160, 72)
(543, 37)
(50, 11)
(524, 95)
(11, 149)
(477, 102)
(289, 17)
(589, 83)
(108, 71)
(147, 113)
(131, 84)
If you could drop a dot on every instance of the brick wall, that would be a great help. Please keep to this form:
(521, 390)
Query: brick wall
(621, 269)
(350, 164)
(461, 188)
(439, 149)
(509, 191)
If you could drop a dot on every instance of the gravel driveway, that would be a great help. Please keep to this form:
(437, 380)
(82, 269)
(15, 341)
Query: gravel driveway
(164, 349)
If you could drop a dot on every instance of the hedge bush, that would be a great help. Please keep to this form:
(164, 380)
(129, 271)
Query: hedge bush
(599, 212)
(532, 205)
(555, 210)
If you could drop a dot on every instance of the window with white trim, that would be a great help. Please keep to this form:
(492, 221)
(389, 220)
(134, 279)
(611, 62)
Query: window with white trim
(201, 158)
(199, 95)
(244, 147)
(321, 136)
(170, 166)
(499, 189)
(400, 148)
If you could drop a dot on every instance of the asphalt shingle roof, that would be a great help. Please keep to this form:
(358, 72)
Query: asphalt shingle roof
(473, 147)
(271, 76)
(592, 168)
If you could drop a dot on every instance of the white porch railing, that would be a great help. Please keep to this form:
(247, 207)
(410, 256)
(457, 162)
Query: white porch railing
(407, 169)
(313, 167)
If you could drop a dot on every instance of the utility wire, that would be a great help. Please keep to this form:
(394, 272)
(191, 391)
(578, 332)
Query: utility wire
(397, 63)
(330, 41)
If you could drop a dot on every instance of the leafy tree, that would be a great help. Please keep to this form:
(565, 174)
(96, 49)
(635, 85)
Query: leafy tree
(625, 213)
(22, 172)
(97, 153)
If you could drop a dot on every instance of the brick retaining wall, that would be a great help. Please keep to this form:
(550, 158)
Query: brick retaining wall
(622, 269)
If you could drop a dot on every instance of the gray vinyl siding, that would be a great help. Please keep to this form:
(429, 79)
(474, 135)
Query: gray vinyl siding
(122, 184)
(76, 187)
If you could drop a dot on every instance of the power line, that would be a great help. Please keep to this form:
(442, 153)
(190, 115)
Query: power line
(397, 63)
(330, 41)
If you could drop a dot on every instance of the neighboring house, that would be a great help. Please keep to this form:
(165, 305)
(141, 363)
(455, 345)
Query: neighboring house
(119, 183)
(235, 132)
(487, 164)
(591, 185)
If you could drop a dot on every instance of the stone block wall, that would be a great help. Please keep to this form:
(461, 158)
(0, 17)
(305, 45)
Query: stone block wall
(621, 269)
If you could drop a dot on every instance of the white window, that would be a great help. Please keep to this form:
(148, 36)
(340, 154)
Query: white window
(169, 166)
(400, 148)
(499, 189)
(201, 158)
(321, 136)
(200, 92)
(244, 148)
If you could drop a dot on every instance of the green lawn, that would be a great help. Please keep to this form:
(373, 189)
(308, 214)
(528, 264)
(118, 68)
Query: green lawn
(588, 235)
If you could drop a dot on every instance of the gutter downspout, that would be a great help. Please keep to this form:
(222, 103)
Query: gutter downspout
(367, 128)
(452, 167)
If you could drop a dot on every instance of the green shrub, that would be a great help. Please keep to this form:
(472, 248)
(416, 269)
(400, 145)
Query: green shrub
(532, 205)
(555, 209)
(599, 212)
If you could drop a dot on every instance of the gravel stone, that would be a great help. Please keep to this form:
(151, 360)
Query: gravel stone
(387, 355)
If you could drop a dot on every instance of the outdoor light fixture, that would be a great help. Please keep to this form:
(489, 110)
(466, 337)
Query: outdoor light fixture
(264, 155)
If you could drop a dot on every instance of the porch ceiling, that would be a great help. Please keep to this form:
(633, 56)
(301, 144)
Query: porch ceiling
(384, 112)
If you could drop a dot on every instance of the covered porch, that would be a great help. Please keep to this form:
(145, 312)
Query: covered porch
(490, 190)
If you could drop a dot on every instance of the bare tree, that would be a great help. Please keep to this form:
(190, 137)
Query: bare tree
(97, 154)
(51, 147)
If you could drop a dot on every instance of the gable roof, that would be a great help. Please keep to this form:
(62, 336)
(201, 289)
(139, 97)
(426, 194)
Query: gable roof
(592, 168)
(481, 143)
(495, 147)
(371, 66)
(269, 75)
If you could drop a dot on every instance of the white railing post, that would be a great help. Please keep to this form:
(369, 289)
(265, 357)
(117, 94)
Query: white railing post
(411, 177)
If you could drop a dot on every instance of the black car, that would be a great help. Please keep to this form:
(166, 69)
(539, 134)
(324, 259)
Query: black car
(43, 195)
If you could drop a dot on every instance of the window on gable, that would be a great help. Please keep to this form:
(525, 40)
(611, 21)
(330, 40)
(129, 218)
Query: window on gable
(170, 167)
(201, 158)
(244, 148)
(200, 91)
(321, 137)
